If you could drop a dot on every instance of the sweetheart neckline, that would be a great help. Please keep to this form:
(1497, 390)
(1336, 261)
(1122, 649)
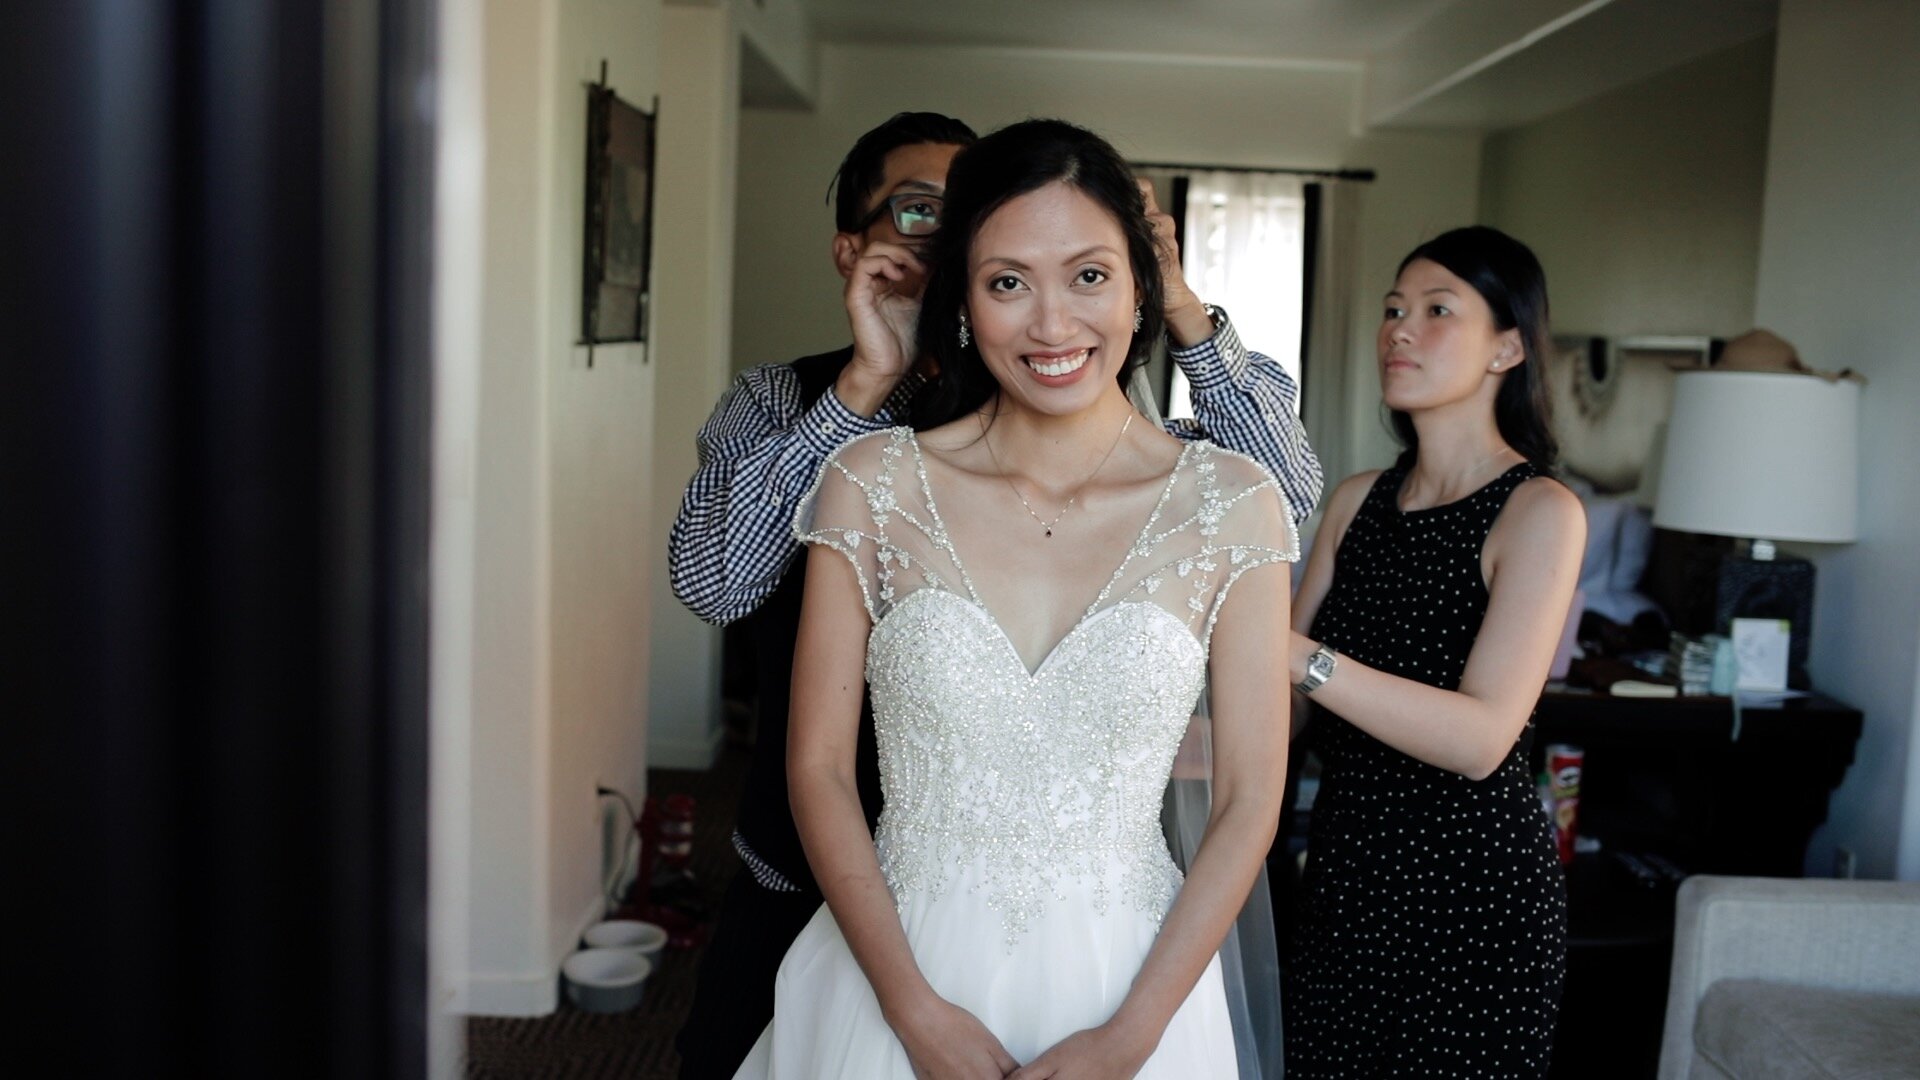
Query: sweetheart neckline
(1013, 653)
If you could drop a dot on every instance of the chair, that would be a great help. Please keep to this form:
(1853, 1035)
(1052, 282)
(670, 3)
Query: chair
(1779, 977)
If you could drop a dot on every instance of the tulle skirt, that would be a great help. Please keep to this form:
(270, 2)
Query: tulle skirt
(1068, 970)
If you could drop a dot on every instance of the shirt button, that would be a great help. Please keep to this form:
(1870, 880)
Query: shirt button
(826, 427)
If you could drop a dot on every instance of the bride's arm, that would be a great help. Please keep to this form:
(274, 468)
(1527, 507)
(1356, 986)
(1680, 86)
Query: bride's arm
(828, 682)
(1250, 699)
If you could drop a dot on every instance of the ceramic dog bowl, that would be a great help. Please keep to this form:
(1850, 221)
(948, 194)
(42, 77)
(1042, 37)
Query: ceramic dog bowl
(606, 980)
(633, 935)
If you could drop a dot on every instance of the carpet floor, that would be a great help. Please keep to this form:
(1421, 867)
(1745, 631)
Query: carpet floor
(636, 1045)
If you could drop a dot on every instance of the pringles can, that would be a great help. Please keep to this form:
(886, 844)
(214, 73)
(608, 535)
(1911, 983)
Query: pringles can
(1564, 765)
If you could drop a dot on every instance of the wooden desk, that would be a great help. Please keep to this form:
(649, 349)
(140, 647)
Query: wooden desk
(1666, 775)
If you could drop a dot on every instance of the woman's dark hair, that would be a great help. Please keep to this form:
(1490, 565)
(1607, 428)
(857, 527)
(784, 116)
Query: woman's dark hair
(1011, 162)
(1508, 277)
(865, 166)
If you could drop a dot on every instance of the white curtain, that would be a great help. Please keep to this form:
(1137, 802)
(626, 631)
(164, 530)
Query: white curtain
(1245, 239)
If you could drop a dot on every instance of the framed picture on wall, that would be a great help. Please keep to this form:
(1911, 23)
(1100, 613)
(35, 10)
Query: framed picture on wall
(619, 218)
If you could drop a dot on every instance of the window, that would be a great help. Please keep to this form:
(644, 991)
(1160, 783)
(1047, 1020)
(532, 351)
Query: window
(1243, 247)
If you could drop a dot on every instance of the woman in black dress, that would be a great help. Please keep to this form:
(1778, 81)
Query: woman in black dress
(1430, 937)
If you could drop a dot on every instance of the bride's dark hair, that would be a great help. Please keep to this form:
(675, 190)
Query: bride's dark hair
(1009, 163)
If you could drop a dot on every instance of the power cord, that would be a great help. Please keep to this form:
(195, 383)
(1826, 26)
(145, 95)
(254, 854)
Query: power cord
(633, 835)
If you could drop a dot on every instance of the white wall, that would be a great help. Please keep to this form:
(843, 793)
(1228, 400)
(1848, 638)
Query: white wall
(1428, 184)
(781, 36)
(459, 212)
(693, 322)
(1644, 204)
(506, 895)
(564, 536)
(558, 469)
(1839, 255)
(605, 543)
(787, 296)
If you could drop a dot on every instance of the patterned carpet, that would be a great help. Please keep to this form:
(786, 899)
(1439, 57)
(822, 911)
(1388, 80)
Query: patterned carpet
(636, 1045)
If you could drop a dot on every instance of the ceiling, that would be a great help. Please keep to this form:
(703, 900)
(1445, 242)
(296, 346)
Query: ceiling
(1483, 64)
(1346, 30)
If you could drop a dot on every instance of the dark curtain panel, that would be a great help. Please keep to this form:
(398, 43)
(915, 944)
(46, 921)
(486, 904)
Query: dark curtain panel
(214, 461)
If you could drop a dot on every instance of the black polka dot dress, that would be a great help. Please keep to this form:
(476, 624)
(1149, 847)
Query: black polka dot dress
(1430, 937)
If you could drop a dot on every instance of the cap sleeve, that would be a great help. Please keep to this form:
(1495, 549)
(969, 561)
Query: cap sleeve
(849, 508)
(1255, 525)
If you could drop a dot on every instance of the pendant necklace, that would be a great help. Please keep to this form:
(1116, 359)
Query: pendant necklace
(1008, 477)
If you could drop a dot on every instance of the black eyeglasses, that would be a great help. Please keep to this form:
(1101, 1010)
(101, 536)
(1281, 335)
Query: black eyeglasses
(915, 213)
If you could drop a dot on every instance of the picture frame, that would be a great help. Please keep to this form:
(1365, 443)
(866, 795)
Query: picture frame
(615, 280)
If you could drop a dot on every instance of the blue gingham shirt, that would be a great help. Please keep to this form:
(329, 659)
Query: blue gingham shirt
(761, 449)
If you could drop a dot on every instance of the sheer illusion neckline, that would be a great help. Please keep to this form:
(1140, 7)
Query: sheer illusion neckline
(1133, 550)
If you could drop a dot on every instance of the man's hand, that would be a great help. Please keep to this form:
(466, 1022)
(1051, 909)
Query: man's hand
(884, 310)
(945, 1041)
(1187, 320)
(1102, 1053)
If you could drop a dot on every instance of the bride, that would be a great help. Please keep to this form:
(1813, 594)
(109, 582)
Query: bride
(1037, 589)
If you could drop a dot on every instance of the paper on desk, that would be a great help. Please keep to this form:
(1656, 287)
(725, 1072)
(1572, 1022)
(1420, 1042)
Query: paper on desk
(1760, 651)
(1761, 699)
(1758, 699)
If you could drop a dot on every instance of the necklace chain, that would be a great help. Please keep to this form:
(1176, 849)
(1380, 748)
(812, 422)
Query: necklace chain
(1071, 499)
(1473, 472)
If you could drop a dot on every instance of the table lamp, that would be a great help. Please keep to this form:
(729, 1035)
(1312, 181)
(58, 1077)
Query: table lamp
(1762, 457)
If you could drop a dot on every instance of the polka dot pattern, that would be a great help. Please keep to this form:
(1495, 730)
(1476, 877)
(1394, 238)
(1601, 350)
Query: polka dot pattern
(1431, 935)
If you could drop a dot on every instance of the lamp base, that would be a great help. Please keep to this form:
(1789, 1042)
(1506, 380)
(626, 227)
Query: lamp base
(1780, 588)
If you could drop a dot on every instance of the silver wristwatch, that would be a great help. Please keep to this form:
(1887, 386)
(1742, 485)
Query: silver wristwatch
(1319, 670)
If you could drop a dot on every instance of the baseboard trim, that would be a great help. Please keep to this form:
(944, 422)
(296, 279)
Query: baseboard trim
(533, 994)
(530, 994)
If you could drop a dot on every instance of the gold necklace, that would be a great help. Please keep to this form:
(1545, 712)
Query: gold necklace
(1045, 524)
(1474, 472)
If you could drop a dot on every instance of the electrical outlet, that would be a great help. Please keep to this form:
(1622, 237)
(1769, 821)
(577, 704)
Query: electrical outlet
(1844, 862)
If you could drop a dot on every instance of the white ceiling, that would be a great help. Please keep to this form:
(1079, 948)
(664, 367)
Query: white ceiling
(1484, 64)
(1267, 29)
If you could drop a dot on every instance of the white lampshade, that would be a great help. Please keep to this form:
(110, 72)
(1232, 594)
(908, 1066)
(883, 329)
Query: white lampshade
(1761, 455)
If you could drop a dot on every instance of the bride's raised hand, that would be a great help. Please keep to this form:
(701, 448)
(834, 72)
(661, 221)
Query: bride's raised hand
(946, 1042)
(883, 307)
(1107, 1052)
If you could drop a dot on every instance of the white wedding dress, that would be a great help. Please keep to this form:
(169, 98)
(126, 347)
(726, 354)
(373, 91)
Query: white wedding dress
(1021, 837)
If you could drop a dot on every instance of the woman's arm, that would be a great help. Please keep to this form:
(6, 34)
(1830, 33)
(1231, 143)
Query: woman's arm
(1532, 560)
(828, 683)
(1249, 698)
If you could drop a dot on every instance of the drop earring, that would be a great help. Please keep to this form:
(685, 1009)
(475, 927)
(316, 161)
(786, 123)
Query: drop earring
(965, 338)
(1136, 318)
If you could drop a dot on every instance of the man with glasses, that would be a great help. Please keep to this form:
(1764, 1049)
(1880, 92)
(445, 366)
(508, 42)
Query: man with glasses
(730, 555)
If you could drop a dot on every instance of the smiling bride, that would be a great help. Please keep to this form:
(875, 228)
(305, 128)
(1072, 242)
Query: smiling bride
(1039, 591)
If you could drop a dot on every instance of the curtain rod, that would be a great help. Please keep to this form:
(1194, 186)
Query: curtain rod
(1362, 175)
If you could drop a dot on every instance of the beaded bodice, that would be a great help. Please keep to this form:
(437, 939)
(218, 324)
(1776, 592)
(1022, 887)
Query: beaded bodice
(1048, 778)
